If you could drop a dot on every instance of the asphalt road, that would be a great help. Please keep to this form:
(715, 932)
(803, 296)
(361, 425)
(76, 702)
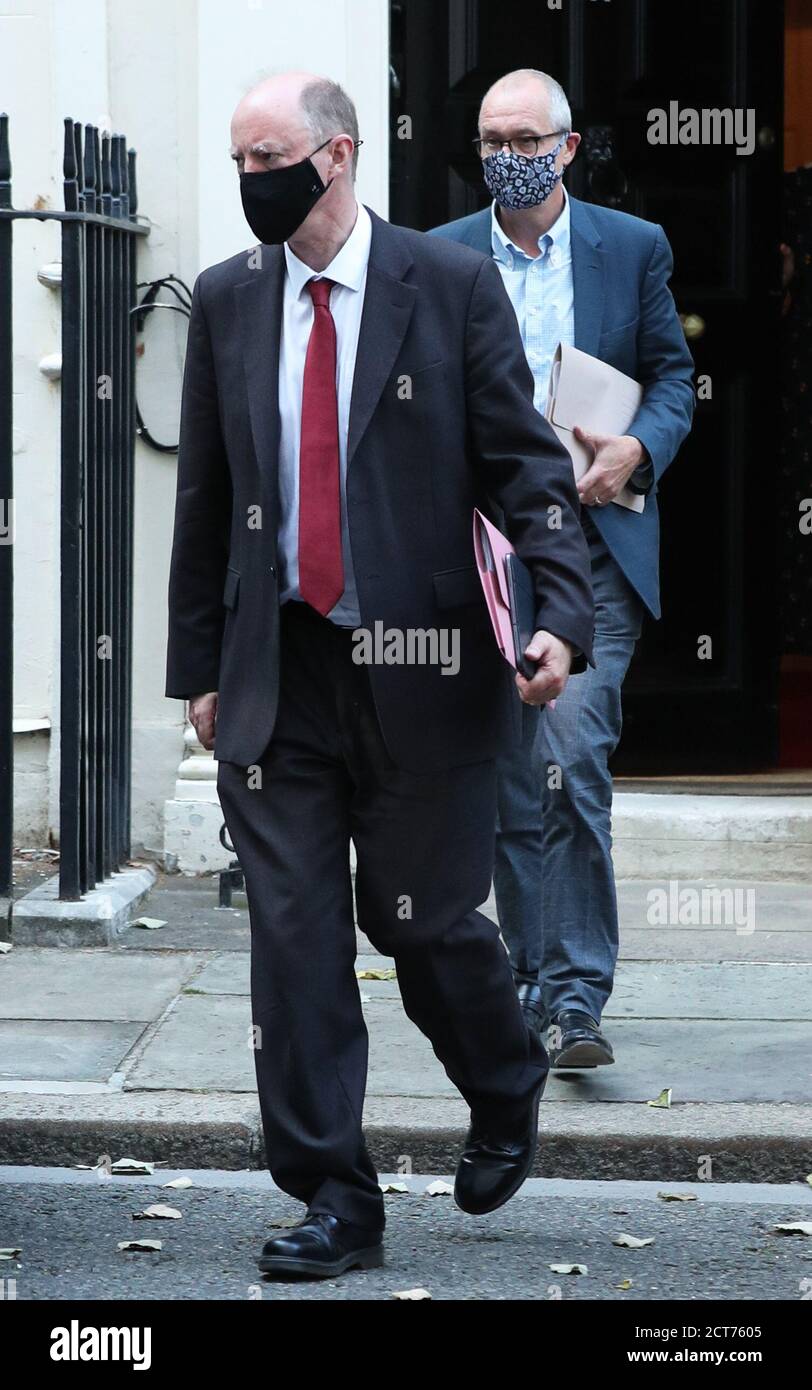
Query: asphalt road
(719, 1247)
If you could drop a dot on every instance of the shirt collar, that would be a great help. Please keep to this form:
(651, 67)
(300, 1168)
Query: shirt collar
(348, 266)
(557, 237)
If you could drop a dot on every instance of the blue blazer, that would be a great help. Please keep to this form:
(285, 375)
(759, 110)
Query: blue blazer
(625, 315)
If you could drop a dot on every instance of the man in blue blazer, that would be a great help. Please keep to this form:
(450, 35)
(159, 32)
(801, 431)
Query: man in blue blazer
(596, 279)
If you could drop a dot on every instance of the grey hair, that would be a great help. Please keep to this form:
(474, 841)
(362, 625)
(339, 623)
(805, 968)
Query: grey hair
(329, 111)
(560, 113)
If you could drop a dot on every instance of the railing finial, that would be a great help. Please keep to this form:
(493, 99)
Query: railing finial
(116, 172)
(70, 169)
(89, 171)
(132, 183)
(5, 164)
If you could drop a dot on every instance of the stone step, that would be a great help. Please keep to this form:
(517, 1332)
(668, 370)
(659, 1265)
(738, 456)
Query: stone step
(768, 838)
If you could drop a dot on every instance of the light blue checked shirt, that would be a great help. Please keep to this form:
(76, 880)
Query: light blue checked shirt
(541, 292)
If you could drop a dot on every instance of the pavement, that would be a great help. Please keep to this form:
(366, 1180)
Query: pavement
(142, 1049)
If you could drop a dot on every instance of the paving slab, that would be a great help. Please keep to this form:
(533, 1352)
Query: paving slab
(215, 1031)
(717, 947)
(780, 906)
(702, 1059)
(39, 982)
(719, 1061)
(64, 1050)
(194, 921)
(189, 906)
(228, 973)
(675, 989)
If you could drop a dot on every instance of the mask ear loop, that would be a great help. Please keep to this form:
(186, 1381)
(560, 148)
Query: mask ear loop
(355, 145)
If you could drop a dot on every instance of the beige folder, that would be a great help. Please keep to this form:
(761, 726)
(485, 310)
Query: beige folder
(587, 392)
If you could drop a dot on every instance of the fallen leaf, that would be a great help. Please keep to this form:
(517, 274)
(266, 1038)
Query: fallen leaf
(794, 1228)
(285, 1223)
(11, 1252)
(140, 1245)
(393, 1187)
(4, 947)
(412, 1295)
(663, 1100)
(619, 1211)
(569, 1269)
(632, 1242)
(179, 1182)
(376, 975)
(150, 923)
(132, 1165)
(678, 1196)
(624, 1284)
(158, 1213)
(809, 1179)
(439, 1189)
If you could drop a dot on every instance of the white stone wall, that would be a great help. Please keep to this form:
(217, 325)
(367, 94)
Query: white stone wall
(168, 73)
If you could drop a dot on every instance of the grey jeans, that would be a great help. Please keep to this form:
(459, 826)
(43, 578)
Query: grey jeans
(553, 876)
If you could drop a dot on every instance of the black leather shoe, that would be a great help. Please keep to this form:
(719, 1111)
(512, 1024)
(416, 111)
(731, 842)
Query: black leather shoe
(322, 1246)
(532, 1006)
(496, 1159)
(575, 1040)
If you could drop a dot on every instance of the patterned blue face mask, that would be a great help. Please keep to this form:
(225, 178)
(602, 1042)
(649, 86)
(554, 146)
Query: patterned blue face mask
(517, 182)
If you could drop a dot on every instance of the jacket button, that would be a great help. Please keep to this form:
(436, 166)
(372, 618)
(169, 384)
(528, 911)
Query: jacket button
(273, 571)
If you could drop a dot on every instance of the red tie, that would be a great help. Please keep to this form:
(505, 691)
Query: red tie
(321, 569)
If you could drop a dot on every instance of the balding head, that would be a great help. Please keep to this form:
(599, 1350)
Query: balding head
(527, 96)
(284, 118)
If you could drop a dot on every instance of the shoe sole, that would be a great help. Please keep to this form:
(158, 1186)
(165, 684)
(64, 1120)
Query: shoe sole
(483, 1211)
(583, 1054)
(359, 1259)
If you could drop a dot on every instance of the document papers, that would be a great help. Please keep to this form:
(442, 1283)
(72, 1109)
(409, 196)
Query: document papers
(587, 392)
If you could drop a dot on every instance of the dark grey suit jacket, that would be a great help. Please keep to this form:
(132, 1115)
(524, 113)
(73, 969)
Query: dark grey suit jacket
(435, 312)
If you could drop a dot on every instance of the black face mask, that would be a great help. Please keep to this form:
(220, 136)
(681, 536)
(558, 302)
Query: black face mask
(277, 201)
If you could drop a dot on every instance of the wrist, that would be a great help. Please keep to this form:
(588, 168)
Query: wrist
(639, 452)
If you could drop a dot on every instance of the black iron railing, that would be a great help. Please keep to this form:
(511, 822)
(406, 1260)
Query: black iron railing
(99, 227)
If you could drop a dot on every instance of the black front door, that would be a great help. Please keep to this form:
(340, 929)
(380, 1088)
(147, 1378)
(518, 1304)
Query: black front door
(702, 692)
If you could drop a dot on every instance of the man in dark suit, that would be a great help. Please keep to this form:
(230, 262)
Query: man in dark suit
(596, 279)
(352, 391)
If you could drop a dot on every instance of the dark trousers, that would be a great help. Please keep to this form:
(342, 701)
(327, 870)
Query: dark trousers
(424, 849)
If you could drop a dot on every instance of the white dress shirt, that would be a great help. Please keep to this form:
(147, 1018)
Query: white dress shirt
(542, 294)
(349, 271)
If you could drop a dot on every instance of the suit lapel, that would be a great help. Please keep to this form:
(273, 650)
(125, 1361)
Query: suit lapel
(388, 307)
(588, 272)
(259, 312)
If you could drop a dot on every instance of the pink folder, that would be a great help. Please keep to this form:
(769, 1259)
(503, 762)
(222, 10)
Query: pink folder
(490, 549)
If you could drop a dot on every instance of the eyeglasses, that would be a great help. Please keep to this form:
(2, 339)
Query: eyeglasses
(525, 145)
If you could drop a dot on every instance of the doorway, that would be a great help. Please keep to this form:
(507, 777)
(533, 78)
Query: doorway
(685, 711)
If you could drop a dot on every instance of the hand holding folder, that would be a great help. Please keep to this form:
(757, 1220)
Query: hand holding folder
(509, 594)
(587, 392)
